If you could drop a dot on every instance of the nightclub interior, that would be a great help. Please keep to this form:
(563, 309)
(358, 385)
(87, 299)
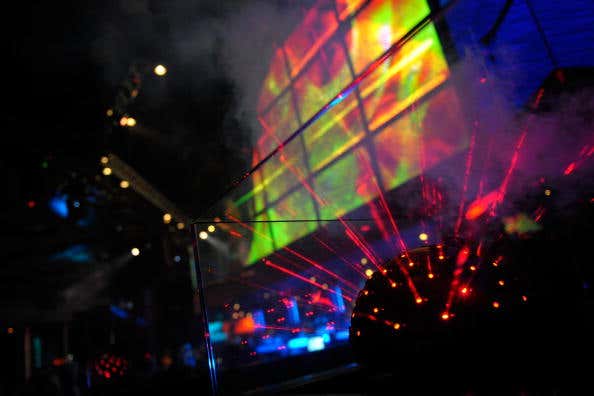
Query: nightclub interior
(318, 197)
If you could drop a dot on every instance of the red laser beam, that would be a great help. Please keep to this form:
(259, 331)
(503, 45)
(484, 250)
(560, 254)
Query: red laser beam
(295, 253)
(321, 268)
(481, 205)
(368, 253)
(378, 220)
(466, 177)
(512, 166)
(384, 205)
(400, 241)
(353, 266)
(303, 278)
(461, 259)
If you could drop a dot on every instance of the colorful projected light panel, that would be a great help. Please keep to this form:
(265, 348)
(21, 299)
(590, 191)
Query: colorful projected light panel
(388, 129)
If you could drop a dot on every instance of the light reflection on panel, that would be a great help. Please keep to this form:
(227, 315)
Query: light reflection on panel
(346, 184)
(277, 124)
(305, 41)
(346, 8)
(251, 201)
(262, 242)
(320, 69)
(276, 80)
(324, 77)
(297, 205)
(284, 171)
(404, 78)
(430, 132)
(334, 133)
(379, 25)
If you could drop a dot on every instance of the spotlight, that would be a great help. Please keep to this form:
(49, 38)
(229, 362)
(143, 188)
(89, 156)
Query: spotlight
(203, 235)
(369, 272)
(211, 228)
(107, 171)
(180, 226)
(423, 236)
(160, 70)
(135, 251)
(104, 160)
(109, 112)
(124, 184)
(166, 218)
(123, 121)
(130, 122)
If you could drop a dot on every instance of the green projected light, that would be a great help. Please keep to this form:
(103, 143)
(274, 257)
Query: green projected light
(380, 132)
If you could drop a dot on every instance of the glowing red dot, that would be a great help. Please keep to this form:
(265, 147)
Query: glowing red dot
(569, 169)
(31, 204)
(107, 374)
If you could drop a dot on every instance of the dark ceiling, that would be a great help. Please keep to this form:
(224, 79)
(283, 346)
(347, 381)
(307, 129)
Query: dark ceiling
(68, 63)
